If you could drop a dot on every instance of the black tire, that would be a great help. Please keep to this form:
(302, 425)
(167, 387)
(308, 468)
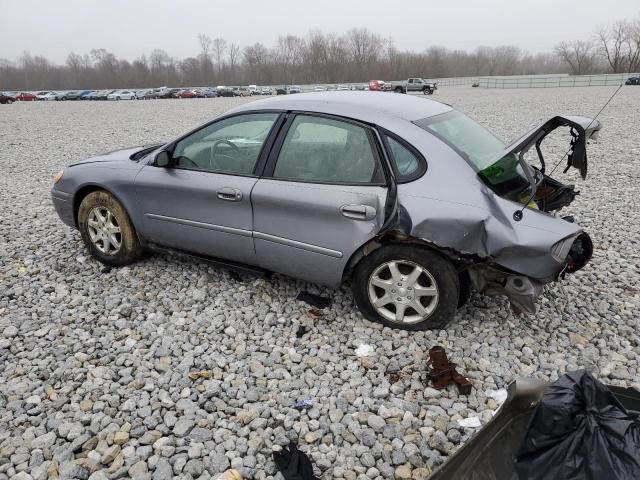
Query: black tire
(465, 289)
(440, 268)
(398, 90)
(130, 248)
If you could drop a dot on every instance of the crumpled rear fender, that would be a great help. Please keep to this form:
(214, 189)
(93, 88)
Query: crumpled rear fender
(482, 225)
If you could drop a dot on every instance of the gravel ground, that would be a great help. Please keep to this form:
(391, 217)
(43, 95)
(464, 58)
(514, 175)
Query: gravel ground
(94, 364)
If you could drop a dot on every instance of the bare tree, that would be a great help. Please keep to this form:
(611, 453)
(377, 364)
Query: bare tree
(613, 40)
(219, 49)
(234, 56)
(579, 55)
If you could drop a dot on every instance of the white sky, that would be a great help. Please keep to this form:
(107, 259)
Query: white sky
(129, 28)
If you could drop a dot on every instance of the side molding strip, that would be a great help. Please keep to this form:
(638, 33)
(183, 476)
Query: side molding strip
(247, 233)
(208, 226)
(296, 244)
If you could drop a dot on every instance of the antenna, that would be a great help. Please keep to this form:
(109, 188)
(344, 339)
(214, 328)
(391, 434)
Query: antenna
(517, 215)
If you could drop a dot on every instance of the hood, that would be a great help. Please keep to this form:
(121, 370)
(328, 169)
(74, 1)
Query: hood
(121, 155)
(582, 129)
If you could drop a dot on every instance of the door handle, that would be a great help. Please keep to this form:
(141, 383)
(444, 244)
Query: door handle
(229, 194)
(358, 212)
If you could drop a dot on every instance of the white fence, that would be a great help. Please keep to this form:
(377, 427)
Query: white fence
(550, 81)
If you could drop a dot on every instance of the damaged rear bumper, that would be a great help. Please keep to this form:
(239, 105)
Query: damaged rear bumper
(572, 254)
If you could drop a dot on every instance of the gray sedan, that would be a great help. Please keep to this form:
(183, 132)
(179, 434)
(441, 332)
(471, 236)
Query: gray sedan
(409, 200)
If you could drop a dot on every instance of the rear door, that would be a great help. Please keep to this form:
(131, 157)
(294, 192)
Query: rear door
(322, 197)
(202, 203)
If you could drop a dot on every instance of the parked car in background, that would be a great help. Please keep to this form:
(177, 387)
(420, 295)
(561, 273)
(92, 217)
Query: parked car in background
(242, 91)
(121, 95)
(282, 90)
(253, 90)
(85, 95)
(226, 92)
(632, 81)
(318, 88)
(376, 85)
(266, 91)
(295, 89)
(185, 94)
(46, 96)
(414, 85)
(140, 94)
(6, 98)
(254, 187)
(25, 97)
(343, 88)
(92, 95)
(75, 95)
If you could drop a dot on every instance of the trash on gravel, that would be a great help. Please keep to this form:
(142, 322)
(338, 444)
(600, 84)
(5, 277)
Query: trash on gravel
(580, 430)
(229, 475)
(201, 374)
(498, 395)
(443, 372)
(294, 464)
(471, 422)
(302, 330)
(313, 300)
(364, 350)
(302, 404)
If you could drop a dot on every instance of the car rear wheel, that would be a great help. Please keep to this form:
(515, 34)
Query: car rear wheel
(406, 287)
(107, 230)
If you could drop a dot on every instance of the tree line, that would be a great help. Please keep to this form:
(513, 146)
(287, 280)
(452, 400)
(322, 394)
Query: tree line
(355, 56)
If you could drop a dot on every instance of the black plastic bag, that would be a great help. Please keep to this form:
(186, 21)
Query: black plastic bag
(294, 464)
(580, 430)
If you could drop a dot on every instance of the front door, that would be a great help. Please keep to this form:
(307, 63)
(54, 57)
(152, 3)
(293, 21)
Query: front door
(322, 197)
(202, 202)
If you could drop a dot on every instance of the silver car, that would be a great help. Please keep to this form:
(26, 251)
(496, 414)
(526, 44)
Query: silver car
(409, 200)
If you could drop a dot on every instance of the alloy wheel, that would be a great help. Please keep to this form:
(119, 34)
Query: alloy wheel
(104, 230)
(403, 292)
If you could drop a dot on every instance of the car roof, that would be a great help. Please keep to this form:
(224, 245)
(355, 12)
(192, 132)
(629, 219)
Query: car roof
(370, 107)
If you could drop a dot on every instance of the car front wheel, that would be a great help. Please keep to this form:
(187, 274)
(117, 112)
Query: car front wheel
(107, 230)
(406, 287)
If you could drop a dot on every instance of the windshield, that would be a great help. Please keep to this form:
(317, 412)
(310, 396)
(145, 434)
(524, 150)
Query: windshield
(482, 150)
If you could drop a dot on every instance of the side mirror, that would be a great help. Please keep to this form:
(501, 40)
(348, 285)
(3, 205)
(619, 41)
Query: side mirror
(163, 159)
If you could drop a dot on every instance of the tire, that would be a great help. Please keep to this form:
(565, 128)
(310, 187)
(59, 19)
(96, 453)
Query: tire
(398, 90)
(117, 98)
(9, 102)
(438, 308)
(465, 289)
(129, 248)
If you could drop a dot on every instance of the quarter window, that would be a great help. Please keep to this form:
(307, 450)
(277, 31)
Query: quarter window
(319, 149)
(404, 160)
(231, 145)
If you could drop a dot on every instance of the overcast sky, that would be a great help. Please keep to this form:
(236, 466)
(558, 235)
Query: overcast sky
(129, 28)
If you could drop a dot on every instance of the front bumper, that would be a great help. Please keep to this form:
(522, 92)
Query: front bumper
(63, 203)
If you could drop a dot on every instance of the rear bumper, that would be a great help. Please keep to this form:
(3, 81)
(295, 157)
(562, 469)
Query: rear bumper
(63, 203)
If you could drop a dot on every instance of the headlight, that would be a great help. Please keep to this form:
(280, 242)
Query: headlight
(560, 250)
(58, 176)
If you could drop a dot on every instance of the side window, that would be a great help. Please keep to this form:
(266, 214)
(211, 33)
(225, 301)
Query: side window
(405, 161)
(319, 149)
(231, 145)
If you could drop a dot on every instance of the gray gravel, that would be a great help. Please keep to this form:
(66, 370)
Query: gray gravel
(94, 363)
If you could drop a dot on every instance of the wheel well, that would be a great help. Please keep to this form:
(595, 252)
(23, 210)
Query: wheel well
(80, 195)
(395, 238)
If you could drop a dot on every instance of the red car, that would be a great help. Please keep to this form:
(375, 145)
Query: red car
(26, 97)
(185, 94)
(4, 98)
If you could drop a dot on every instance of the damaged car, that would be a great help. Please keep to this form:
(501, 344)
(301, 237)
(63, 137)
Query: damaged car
(409, 200)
